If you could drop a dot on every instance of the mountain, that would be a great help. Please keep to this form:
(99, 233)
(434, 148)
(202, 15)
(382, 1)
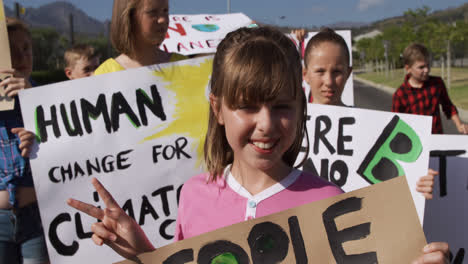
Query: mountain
(56, 15)
(447, 15)
(347, 25)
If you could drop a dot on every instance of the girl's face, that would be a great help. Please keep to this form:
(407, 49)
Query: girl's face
(21, 52)
(326, 73)
(259, 135)
(152, 21)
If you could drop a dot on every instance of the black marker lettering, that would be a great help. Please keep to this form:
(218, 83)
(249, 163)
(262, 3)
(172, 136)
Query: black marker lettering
(342, 138)
(337, 238)
(59, 246)
(268, 243)
(320, 134)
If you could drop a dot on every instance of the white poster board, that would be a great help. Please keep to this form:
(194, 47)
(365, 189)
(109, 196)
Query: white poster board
(139, 131)
(348, 93)
(354, 147)
(446, 214)
(195, 34)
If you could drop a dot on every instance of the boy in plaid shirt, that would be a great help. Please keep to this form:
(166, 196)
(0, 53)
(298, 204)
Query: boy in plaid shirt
(421, 93)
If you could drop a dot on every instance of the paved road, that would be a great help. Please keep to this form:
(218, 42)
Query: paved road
(366, 96)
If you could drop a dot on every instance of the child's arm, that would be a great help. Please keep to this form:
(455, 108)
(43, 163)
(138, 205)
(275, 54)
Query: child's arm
(118, 230)
(450, 110)
(462, 127)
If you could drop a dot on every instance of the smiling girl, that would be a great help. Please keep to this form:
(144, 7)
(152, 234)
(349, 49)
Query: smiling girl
(256, 125)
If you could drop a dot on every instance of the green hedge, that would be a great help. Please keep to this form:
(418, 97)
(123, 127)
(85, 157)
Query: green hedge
(48, 77)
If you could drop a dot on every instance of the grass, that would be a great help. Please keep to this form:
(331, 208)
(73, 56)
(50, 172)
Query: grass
(459, 87)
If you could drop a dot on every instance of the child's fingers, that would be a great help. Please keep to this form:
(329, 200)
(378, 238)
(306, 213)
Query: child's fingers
(424, 189)
(13, 90)
(25, 152)
(97, 240)
(442, 247)
(425, 183)
(88, 209)
(7, 71)
(432, 172)
(114, 213)
(427, 194)
(104, 194)
(23, 132)
(432, 258)
(101, 231)
(465, 129)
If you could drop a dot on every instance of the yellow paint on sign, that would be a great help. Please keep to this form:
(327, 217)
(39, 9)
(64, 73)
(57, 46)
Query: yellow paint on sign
(189, 83)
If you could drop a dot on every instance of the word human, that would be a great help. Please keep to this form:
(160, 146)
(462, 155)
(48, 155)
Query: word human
(78, 120)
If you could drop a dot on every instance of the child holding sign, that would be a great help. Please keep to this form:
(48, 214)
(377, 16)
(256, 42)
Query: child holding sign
(326, 70)
(255, 130)
(138, 27)
(21, 235)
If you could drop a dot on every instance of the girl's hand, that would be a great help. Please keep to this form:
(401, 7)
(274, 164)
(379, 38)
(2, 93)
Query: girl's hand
(14, 83)
(425, 184)
(26, 140)
(434, 253)
(118, 230)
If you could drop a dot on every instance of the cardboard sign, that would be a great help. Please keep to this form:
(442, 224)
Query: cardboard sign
(446, 214)
(195, 34)
(139, 131)
(348, 93)
(364, 226)
(6, 103)
(355, 148)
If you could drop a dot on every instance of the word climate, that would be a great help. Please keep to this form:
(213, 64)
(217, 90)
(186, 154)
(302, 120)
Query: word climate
(78, 120)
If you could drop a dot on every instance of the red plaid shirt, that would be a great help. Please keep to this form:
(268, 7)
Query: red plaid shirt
(424, 101)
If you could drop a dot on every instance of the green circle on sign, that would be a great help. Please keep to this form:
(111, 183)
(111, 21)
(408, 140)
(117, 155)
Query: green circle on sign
(225, 258)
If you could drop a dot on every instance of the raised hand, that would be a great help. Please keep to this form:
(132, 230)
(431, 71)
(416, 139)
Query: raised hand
(116, 229)
(425, 184)
(14, 83)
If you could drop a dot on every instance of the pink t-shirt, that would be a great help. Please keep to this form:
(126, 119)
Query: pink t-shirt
(206, 206)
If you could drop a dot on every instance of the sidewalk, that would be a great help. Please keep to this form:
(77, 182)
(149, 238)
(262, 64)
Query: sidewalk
(462, 113)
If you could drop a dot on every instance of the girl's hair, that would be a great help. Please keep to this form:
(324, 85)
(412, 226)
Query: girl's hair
(123, 26)
(253, 66)
(326, 35)
(14, 24)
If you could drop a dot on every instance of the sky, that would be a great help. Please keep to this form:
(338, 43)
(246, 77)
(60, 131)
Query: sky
(298, 13)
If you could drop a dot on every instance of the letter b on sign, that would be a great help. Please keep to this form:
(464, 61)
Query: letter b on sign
(398, 141)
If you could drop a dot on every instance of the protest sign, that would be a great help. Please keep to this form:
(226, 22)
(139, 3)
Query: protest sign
(446, 215)
(358, 227)
(354, 147)
(6, 103)
(194, 34)
(139, 131)
(348, 93)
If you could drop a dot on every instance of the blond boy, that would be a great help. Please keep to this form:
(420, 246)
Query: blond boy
(422, 93)
(81, 61)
